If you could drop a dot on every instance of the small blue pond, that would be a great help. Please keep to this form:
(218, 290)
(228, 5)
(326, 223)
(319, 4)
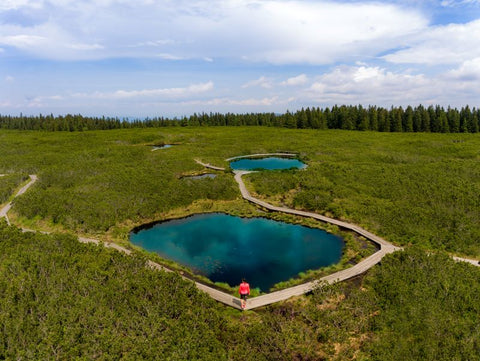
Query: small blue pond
(157, 147)
(225, 248)
(270, 163)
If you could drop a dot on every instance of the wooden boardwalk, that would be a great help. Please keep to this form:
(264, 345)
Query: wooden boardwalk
(384, 248)
(264, 300)
(206, 165)
(260, 155)
(6, 208)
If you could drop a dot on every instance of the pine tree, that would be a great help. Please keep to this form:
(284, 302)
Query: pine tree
(425, 120)
(408, 119)
(373, 118)
(290, 121)
(443, 121)
(434, 123)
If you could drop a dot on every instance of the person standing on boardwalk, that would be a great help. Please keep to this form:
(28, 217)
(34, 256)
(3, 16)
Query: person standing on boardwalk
(244, 291)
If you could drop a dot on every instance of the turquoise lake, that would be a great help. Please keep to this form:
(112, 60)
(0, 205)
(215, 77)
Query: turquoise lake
(269, 163)
(226, 248)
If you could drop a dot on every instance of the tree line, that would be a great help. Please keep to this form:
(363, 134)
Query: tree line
(435, 119)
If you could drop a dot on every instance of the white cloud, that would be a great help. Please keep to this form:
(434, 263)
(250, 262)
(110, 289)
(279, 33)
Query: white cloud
(190, 90)
(276, 31)
(296, 80)
(16, 4)
(170, 56)
(450, 44)
(9, 79)
(154, 43)
(253, 101)
(379, 86)
(454, 3)
(49, 41)
(263, 82)
(23, 41)
(370, 85)
(236, 33)
(468, 71)
(85, 46)
(266, 101)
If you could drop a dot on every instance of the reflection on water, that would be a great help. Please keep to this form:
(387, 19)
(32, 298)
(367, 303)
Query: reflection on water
(225, 248)
(157, 147)
(270, 163)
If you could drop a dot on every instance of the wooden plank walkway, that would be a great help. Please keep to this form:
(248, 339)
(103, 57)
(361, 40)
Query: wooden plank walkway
(8, 206)
(277, 296)
(206, 165)
(260, 155)
(361, 267)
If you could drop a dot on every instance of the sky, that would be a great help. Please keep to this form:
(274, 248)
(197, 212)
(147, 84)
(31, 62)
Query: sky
(148, 58)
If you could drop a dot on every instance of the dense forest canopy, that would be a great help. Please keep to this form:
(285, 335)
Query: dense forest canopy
(435, 119)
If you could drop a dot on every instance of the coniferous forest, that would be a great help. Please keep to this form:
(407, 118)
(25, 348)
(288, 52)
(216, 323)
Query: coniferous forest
(435, 119)
(61, 299)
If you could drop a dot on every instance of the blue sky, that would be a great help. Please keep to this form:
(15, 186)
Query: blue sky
(176, 57)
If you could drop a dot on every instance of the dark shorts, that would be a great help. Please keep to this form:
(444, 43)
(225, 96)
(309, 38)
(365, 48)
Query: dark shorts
(244, 297)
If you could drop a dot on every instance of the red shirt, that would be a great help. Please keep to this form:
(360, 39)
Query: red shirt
(244, 288)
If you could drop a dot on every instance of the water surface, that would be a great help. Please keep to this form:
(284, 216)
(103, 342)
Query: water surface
(269, 163)
(225, 248)
(157, 147)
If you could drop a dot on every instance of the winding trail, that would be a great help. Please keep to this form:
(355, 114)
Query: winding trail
(277, 296)
(206, 165)
(6, 208)
(384, 248)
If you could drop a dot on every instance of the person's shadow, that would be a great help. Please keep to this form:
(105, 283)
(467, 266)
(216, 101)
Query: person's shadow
(237, 301)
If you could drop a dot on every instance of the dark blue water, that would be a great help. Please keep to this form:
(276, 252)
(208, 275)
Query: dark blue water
(165, 146)
(270, 163)
(225, 248)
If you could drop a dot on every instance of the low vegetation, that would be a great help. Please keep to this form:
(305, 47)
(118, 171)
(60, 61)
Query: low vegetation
(60, 299)
(8, 185)
(419, 190)
(409, 188)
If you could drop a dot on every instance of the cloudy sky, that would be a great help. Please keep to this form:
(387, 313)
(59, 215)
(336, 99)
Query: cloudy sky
(175, 57)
